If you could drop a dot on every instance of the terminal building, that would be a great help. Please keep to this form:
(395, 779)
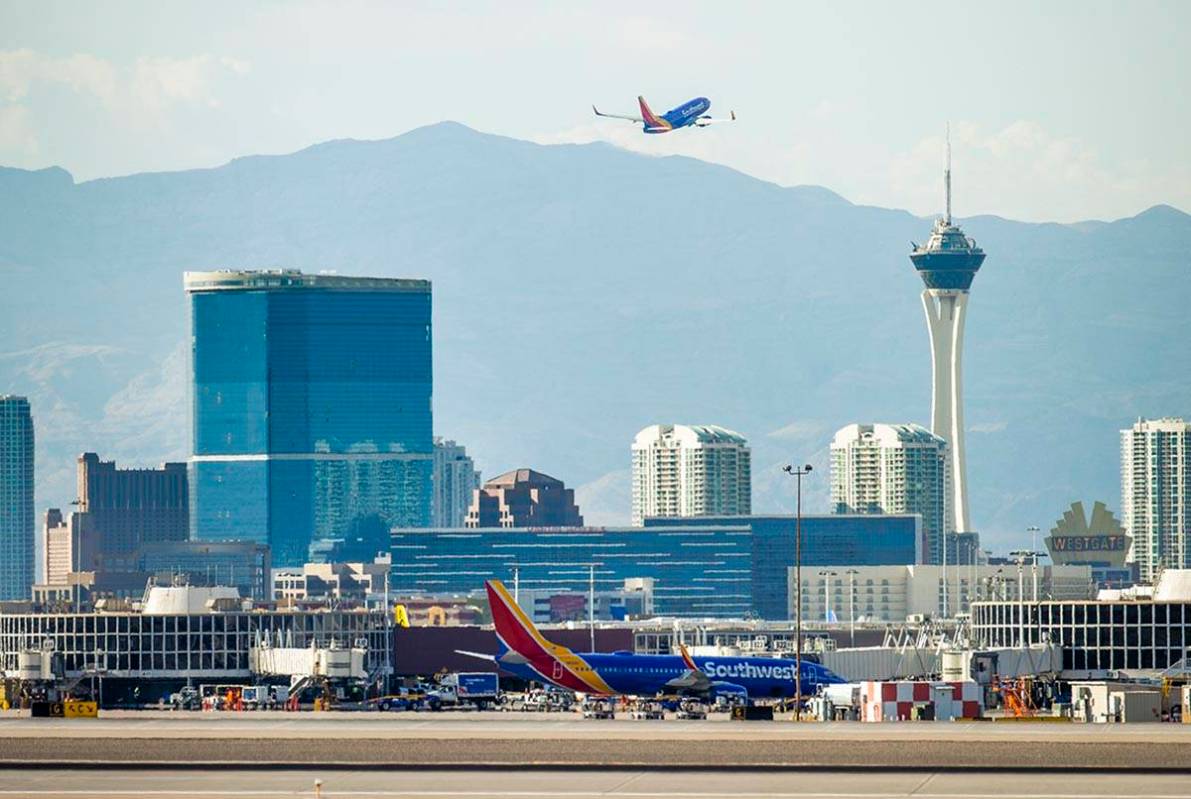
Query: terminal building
(1136, 630)
(178, 634)
(711, 567)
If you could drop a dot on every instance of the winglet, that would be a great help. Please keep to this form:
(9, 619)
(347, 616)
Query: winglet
(686, 658)
(733, 113)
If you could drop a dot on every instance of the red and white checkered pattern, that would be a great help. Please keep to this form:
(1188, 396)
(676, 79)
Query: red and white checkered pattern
(894, 701)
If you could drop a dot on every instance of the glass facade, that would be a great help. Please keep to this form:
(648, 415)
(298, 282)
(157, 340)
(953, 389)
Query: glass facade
(703, 571)
(312, 408)
(1095, 636)
(206, 646)
(862, 540)
(16, 498)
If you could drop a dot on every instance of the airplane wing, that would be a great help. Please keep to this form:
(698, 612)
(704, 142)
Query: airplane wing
(479, 655)
(703, 122)
(600, 113)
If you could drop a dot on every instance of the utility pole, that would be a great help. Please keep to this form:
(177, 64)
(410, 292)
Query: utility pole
(1034, 553)
(827, 594)
(1021, 556)
(388, 627)
(852, 606)
(591, 604)
(798, 473)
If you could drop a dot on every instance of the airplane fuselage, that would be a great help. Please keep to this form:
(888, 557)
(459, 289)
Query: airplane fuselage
(680, 117)
(648, 675)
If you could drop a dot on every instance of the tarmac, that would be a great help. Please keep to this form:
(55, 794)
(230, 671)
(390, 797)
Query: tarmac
(472, 741)
(615, 783)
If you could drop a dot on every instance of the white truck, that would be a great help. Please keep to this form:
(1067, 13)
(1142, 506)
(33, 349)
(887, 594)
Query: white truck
(478, 689)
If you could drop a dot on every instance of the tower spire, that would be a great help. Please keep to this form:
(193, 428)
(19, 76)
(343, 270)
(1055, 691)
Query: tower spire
(947, 175)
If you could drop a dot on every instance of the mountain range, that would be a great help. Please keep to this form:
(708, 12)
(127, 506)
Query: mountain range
(582, 292)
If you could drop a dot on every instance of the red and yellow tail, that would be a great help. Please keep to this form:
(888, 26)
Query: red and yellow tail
(652, 120)
(556, 664)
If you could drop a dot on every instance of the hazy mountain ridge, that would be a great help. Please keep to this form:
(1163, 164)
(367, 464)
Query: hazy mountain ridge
(582, 292)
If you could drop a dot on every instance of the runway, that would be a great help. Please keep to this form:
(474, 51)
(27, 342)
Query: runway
(626, 784)
(355, 741)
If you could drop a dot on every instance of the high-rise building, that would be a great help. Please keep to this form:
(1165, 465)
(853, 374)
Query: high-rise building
(70, 544)
(1156, 494)
(16, 498)
(130, 507)
(455, 478)
(947, 263)
(312, 408)
(523, 498)
(690, 470)
(894, 468)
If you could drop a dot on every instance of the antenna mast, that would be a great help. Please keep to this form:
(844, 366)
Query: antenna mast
(947, 176)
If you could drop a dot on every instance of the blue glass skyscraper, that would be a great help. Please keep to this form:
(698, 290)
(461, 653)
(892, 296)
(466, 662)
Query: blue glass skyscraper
(312, 411)
(16, 498)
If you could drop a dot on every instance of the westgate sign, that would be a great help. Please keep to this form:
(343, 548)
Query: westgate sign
(1088, 543)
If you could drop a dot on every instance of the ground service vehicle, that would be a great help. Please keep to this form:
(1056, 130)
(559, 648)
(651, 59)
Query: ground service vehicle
(478, 689)
(185, 698)
(264, 697)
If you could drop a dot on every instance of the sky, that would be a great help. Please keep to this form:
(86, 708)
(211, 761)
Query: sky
(1059, 111)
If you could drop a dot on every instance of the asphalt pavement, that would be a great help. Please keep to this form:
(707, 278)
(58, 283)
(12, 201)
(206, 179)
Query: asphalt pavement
(623, 783)
(408, 741)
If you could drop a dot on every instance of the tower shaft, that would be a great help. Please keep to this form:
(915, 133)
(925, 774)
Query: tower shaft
(946, 312)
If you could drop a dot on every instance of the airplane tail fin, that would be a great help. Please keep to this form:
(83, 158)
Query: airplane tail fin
(554, 662)
(651, 119)
(514, 629)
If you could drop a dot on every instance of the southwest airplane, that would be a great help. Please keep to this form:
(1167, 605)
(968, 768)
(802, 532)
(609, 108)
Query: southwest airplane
(692, 112)
(526, 653)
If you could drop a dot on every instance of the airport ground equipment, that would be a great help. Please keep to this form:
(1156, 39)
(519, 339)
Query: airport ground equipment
(402, 699)
(896, 700)
(648, 709)
(185, 698)
(1016, 696)
(595, 707)
(752, 713)
(1117, 701)
(265, 697)
(691, 709)
(539, 700)
(477, 689)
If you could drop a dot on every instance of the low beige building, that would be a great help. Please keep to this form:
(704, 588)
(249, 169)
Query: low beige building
(896, 593)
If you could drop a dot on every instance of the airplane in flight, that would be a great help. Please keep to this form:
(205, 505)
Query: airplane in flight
(528, 654)
(692, 112)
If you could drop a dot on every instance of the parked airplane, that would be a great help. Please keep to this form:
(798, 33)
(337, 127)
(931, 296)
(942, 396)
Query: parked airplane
(526, 653)
(692, 112)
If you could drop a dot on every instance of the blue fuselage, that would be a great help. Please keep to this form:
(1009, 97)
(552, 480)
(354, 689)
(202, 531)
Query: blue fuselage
(649, 675)
(685, 114)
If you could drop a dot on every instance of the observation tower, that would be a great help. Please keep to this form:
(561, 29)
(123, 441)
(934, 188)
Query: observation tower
(947, 264)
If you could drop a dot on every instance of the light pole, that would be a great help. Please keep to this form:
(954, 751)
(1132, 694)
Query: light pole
(1034, 553)
(798, 473)
(591, 604)
(1021, 556)
(852, 605)
(827, 594)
